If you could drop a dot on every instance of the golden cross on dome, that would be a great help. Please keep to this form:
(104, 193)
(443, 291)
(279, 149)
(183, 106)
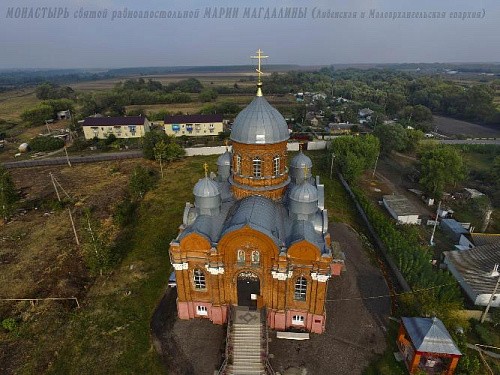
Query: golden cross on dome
(259, 57)
(205, 167)
(306, 171)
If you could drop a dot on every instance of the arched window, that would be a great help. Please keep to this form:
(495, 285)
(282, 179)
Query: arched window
(199, 279)
(301, 288)
(276, 165)
(238, 163)
(241, 256)
(255, 258)
(257, 167)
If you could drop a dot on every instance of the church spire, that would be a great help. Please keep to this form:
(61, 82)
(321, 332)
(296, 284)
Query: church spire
(259, 57)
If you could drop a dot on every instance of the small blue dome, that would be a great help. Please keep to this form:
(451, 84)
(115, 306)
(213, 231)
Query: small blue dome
(304, 193)
(224, 159)
(301, 161)
(206, 187)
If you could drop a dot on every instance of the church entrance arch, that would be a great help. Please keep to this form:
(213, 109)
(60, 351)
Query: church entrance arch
(248, 289)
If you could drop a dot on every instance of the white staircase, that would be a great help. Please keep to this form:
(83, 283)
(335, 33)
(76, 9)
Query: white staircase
(247, 344)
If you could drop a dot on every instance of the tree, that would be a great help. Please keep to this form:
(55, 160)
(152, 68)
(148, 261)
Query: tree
(141, 181)
(38, 115)
(160, 152)
(8, 194)
(207, 95)
(440, 166)
(413, 136)
(97, 243)
(393, 137)
(354, 155)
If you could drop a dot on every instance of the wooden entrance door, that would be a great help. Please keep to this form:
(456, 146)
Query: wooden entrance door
(248, 289)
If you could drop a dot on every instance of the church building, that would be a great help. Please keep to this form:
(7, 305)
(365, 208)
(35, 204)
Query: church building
(257, 234)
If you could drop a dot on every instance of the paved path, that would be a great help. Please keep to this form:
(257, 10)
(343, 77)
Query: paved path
(74, 159)
(470, 141)
(355, 328)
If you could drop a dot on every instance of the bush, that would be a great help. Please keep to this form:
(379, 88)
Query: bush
(39, 144)
(38, 115)
(10, 324)
(141, 181)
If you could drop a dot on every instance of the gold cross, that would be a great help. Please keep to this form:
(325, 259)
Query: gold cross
(205, 167)
(259, 57)
(306, 171)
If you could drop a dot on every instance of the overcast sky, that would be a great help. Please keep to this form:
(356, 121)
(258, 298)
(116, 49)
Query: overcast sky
(100, 43)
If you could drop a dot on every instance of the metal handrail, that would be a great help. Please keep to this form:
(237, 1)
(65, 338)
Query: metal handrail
(223, 367)
(265, 334)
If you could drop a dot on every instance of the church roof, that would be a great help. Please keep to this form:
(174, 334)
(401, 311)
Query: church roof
(261, 214)
(206, 187)
(224, 159)
(301, 161)
(259, 123)
(430, 335)
(304, 193)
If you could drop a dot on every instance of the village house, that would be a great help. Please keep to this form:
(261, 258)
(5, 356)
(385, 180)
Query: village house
(472, 269)
(193, 125)
(126, 127)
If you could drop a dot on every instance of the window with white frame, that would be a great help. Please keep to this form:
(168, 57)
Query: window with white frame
(241, 256)
(301, 288)
(255, 258)
(298, 320)
(201, 310)
(238, 164)
(199, 279)
(257, 167)
(276, 165)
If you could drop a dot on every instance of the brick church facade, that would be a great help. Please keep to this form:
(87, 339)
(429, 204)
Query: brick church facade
(257, 234)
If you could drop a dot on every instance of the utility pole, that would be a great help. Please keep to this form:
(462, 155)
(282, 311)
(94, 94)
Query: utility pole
(494, 273)
(435, 224)
(67, 157)
(331, 167)
(55, 183)
(55, 186)
(375, 166)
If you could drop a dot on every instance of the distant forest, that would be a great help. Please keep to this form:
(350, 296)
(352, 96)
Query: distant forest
(15, 78)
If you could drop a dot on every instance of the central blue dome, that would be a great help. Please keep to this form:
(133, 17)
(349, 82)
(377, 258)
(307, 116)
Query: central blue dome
(259, 123)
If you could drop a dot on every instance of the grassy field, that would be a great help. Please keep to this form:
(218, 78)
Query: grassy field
(215, 79)
(13, 103)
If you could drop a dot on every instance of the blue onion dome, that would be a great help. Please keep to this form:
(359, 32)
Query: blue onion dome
(206, 187)
(301, 161)
(224, 159)
(259, 123)
(304, 193)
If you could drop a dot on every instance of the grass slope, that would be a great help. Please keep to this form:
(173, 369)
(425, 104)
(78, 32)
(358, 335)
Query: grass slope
(110, 333)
